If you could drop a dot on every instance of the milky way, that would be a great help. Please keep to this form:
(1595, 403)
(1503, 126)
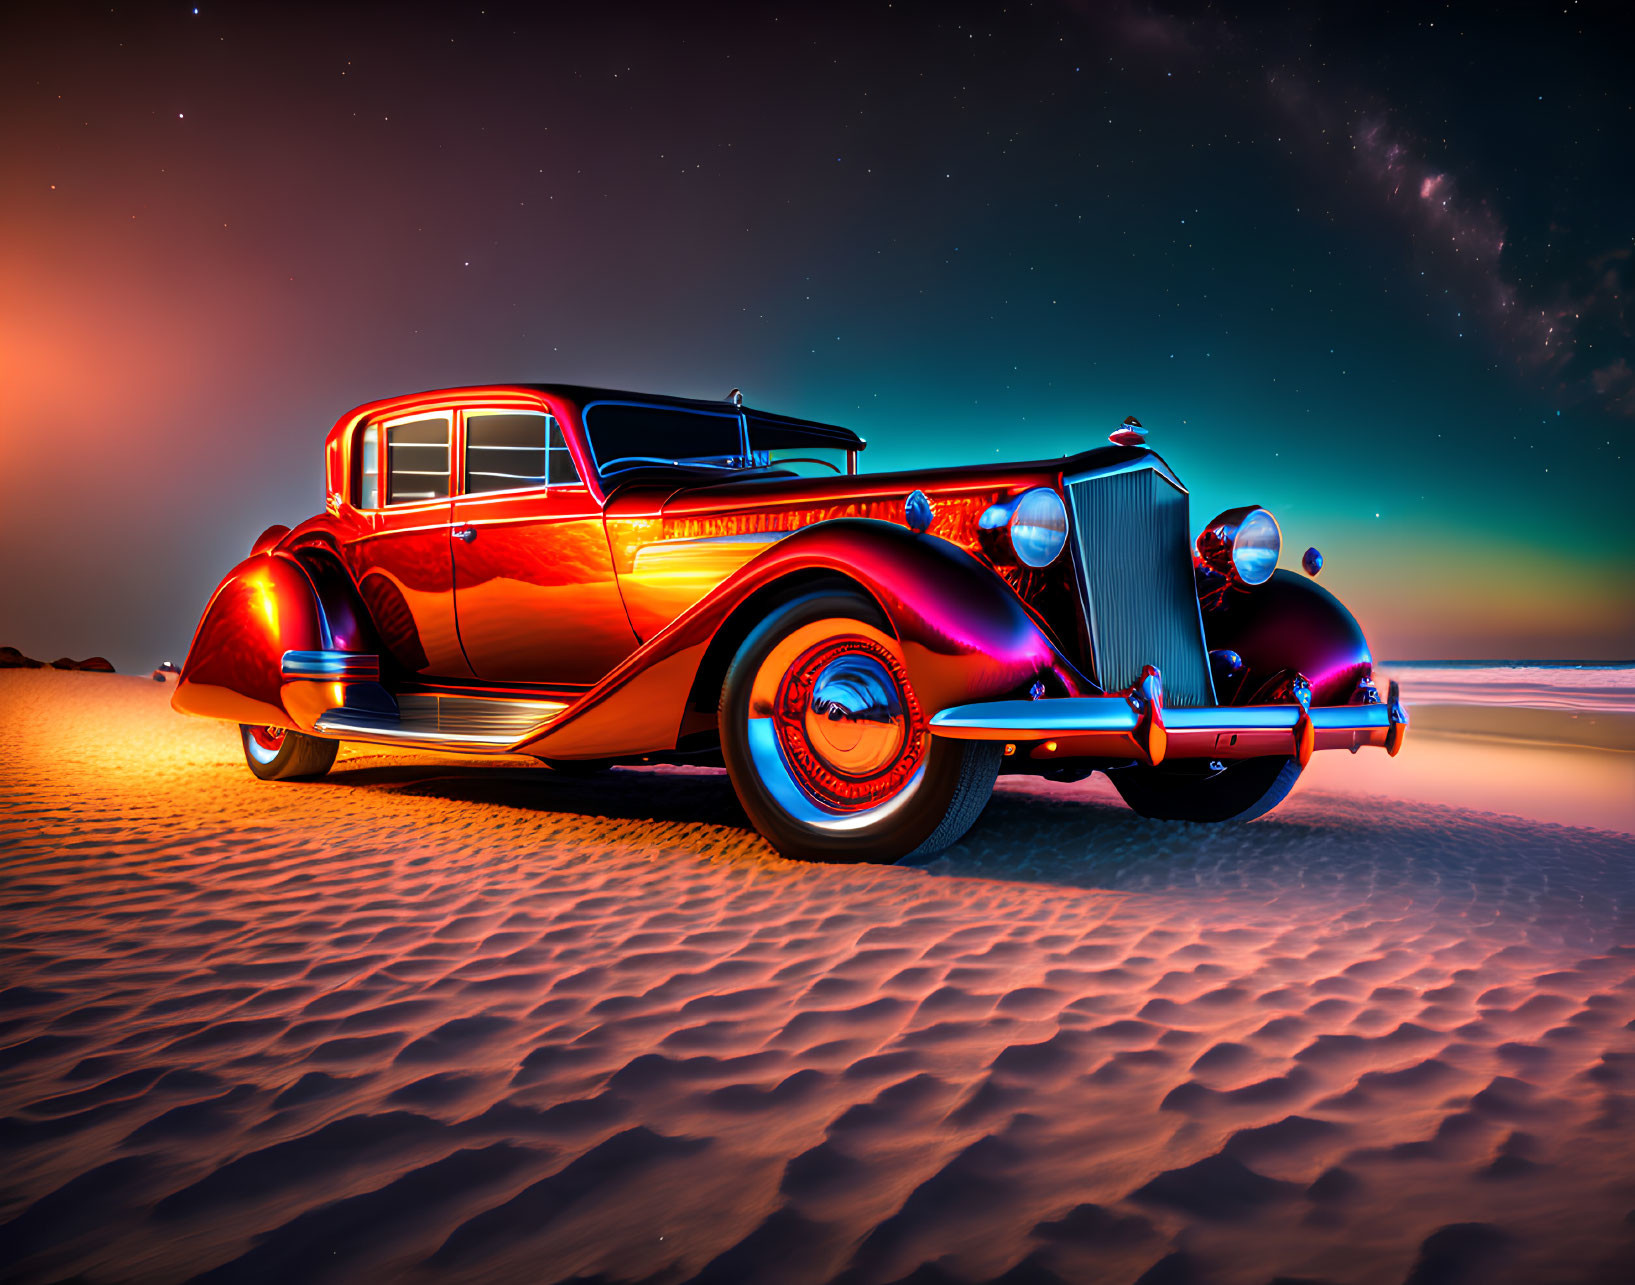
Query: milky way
(1465, 238)
(1569, 326)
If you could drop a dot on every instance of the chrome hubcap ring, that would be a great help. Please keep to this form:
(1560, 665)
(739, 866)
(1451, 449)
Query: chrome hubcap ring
(263, 743)
(847, 722)
(817, 781)
(854, 716)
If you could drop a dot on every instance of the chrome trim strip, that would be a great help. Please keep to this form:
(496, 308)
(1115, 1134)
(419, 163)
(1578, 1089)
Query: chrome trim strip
(350, 665)
(337, 724)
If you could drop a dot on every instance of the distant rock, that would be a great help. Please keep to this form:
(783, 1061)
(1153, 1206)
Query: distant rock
(96, 663)
(11, 658)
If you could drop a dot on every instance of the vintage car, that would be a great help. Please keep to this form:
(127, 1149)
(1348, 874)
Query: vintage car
(592, 578)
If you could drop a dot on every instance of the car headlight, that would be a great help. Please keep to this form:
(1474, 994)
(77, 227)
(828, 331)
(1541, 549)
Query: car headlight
(1242, 545)
(1032, 527)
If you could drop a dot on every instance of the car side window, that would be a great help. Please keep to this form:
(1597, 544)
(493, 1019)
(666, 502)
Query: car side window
(515, 450)
(369, 483)
(417, 458)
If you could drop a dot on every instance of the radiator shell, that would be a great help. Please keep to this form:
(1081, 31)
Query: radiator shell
(1132, 554)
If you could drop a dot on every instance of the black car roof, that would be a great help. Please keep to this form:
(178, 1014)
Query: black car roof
(829, 434)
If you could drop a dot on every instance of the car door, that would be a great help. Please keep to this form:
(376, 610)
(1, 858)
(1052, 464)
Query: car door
(535, 594)
(401, 560)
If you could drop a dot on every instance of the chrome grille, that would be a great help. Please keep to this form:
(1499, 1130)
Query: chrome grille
(1134, 556)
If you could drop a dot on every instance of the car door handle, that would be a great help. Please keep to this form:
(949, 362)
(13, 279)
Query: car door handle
(468, 534)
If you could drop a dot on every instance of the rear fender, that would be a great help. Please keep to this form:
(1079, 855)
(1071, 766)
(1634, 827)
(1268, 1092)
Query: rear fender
(267, 605)
(344, 615)
(1290, 623)
(964, 634)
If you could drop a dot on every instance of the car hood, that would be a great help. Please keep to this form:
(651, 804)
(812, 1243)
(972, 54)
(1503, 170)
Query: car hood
(863, 494)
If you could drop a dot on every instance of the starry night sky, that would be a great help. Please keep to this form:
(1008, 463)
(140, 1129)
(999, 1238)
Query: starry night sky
(1369, 268)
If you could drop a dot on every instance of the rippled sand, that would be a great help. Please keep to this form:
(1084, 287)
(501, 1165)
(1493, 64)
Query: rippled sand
(428, 1018)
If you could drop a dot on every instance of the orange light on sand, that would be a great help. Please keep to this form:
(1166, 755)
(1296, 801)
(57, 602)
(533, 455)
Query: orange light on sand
(1566, 784)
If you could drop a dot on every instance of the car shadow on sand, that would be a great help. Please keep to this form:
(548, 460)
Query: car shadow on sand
(1080, 837)
(680, 797)
(705, 797)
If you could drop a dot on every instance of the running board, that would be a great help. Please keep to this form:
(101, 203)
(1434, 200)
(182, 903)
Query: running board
(443, 722)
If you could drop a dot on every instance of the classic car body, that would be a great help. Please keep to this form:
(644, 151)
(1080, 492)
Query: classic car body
(591, 577)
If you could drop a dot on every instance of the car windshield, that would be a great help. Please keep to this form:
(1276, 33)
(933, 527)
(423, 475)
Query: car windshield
(625, 436)
(796, 448)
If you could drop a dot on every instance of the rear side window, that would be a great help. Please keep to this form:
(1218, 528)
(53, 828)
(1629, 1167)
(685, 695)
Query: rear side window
(369, 488)
(417, 463)
(515, 451)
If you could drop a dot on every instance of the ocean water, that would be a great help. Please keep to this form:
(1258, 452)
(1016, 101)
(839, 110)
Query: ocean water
(1606, 687)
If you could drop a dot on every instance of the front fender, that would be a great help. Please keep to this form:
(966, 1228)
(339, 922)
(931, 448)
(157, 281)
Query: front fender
(264, 607)
(1287, 623)
(965, 635)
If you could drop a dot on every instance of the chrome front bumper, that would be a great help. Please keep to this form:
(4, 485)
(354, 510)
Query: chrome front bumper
(1136, 725)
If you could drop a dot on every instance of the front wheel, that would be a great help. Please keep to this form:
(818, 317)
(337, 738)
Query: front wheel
(828, 747)
(278, 754)
(1187, 791)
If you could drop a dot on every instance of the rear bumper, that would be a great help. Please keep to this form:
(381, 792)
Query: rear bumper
(1128, 726)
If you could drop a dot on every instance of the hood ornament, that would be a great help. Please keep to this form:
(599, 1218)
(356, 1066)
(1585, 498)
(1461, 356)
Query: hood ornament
(736, 397)
(1130, 433)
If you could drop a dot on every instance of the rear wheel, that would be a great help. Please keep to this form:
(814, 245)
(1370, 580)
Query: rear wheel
(827, 746)
(1189, 791)
(278, 754)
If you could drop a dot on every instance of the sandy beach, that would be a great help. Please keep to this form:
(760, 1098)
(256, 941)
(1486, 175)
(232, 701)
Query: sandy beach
(436, 1018)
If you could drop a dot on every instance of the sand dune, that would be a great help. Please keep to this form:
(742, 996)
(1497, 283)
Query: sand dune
(428, 1018)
